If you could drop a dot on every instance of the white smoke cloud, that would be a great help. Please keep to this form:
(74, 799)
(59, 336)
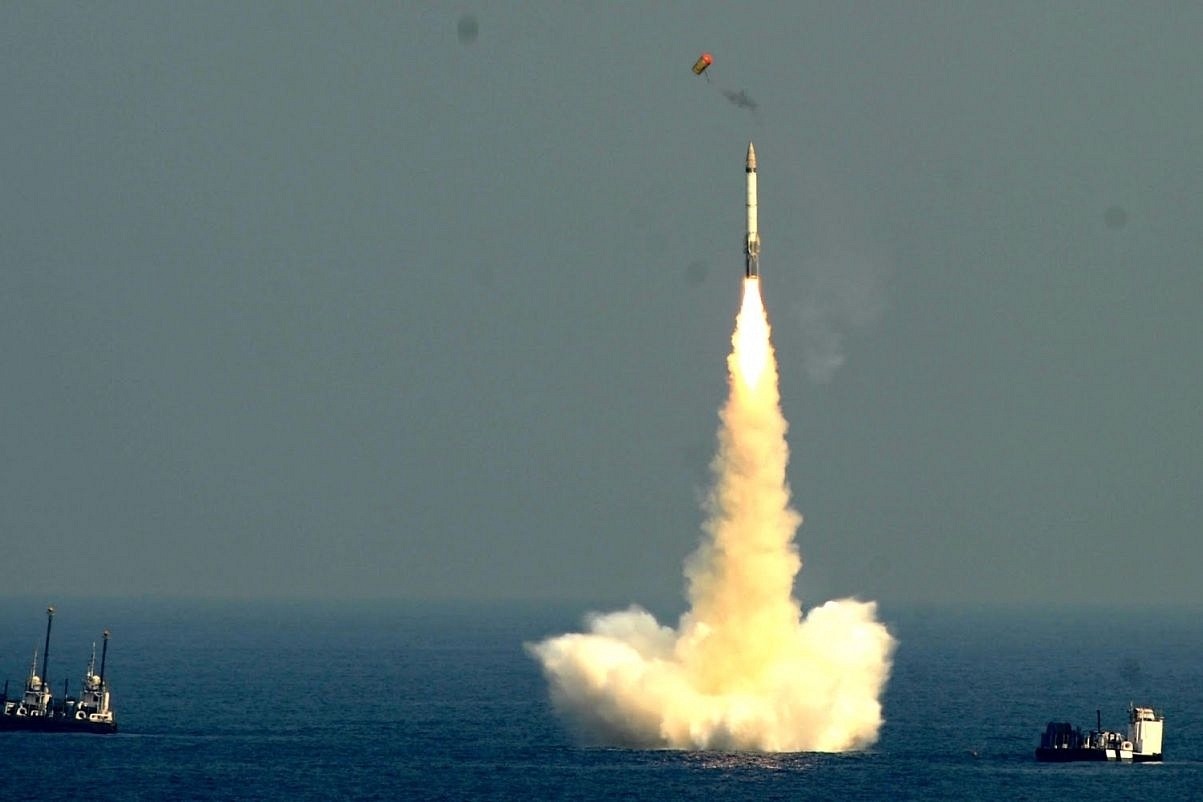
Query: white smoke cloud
(844, 293)
(743, 669)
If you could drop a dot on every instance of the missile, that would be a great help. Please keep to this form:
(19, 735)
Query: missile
(752, 241)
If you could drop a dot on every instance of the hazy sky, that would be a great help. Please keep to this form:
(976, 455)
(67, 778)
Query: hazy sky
(350, 299)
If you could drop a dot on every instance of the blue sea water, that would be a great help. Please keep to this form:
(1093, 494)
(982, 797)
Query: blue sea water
(268, 701)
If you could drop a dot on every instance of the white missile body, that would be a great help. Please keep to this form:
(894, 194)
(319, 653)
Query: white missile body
(752, 241)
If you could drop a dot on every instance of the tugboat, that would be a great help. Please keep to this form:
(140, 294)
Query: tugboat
(1064, 743)
(37, 710)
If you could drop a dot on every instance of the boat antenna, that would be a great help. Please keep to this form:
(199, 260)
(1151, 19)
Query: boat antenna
(46, 650)
(1098, 717)
(103, 654)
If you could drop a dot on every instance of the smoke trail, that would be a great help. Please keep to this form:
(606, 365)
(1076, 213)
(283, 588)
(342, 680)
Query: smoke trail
(744, 670)
(845, 292)
(741, 99)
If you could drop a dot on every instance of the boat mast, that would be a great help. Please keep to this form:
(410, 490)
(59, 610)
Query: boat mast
(103, 654)
(46, 650)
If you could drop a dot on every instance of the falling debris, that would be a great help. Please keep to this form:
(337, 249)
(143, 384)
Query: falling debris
(737, 97)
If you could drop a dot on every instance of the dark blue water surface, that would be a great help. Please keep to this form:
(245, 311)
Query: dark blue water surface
(404, 701)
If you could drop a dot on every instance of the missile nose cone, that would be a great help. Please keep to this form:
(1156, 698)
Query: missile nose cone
(751, 156)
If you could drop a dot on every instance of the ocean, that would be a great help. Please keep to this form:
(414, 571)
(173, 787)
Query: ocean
(400, 701)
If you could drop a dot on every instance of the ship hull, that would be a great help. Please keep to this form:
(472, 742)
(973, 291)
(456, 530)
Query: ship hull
(1087, 754)
(11, 723)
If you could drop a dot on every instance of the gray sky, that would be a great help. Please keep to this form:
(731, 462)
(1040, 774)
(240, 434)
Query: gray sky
(342, 300)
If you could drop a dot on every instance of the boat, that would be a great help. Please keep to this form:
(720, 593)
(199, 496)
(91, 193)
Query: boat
(37, 710)
(1064, 743)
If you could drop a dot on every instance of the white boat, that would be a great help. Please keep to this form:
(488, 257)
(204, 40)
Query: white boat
(1064, 743)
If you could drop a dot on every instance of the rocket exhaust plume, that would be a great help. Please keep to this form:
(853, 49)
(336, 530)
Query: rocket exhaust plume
(744, 669)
